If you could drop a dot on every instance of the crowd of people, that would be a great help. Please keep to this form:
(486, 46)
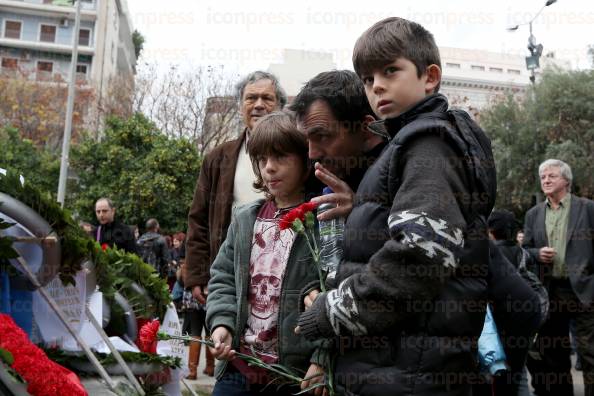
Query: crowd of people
(423, 251)
(167, 255)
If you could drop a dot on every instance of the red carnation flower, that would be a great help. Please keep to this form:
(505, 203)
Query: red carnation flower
(299, 212)
(284, 223)
(309, 206)
(147, 337)
(104, 246)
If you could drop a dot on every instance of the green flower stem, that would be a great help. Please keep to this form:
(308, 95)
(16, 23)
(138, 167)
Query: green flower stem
(251, 360)
(316, 258)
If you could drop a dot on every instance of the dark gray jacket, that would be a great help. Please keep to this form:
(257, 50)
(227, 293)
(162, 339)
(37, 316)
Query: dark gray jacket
(579, 254)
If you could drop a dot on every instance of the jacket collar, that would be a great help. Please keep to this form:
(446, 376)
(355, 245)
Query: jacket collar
(435, 103)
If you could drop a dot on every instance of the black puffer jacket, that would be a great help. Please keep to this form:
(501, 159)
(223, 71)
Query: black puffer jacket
(413, 283)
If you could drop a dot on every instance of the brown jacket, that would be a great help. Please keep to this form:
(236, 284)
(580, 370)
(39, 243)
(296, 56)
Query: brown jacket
(210, 213)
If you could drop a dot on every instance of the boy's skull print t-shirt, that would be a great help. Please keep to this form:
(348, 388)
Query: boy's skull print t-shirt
(268, 259)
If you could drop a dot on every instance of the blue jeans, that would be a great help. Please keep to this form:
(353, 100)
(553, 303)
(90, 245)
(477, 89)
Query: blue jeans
(233, 383)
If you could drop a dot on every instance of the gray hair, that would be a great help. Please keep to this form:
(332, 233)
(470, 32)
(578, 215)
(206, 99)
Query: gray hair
(256, 76)
(109, 202)
(564, 169)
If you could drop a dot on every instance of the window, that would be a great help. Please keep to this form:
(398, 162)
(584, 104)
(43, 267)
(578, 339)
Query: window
(84, 37)
(47, 33)
(44, 70)
(477, 67)
(81, 69)
(9, 67)
(10, 63)
(453, 65)
(496, 69)
(81, 72)
(513, 71)
(12, 29)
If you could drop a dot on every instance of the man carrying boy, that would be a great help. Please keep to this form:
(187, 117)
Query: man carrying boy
(333, 112)
(412, 286)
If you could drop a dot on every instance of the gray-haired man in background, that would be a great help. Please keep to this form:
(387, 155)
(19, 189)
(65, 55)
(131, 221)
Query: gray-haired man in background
(559, 234)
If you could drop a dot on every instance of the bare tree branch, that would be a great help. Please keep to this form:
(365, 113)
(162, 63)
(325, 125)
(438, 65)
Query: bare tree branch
(197, 104)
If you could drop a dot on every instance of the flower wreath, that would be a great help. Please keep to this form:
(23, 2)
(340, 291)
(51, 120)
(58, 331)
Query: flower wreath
(44, 377)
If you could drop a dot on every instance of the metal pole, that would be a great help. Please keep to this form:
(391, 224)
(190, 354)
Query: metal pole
(56, 308)
(114, 351)
(188, 387)
(69, 109)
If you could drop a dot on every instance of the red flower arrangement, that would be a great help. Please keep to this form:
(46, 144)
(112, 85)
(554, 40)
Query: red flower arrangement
(44, 377)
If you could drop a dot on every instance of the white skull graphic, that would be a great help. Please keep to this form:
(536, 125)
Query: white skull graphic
(265, 285)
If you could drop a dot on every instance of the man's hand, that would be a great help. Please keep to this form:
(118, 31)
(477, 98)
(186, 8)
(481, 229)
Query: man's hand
(310, 298)
(222, 339)
(200, 293)
(546, 255)
(342, 196)
(314, 375)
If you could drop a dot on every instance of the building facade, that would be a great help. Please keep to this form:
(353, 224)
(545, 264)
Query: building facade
(471, 79)
(36, 39)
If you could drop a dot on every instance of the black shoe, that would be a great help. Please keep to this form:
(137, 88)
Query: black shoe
(578, 364)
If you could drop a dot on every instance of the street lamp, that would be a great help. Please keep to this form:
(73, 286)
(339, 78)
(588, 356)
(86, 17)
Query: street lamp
(69, 108)
(533, 61)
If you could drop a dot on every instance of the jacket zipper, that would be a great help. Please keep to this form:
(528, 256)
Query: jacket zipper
(282, 299)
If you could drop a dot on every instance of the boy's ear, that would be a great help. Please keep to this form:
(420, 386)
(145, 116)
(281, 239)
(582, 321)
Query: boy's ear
(433, 73)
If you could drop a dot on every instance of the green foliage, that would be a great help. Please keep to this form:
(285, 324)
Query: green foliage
(76, 245)
(554, 120)
(6, 361)
(38, 165)
(116, 270)
(145, 173)
(6, 249)
(6, 357)
(138, 41)
(70, 360)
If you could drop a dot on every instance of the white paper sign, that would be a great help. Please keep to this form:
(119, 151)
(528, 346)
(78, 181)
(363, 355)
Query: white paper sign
(118, 344)
(88, 332)
(172, 326)
(71, 299)
(174, 348)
